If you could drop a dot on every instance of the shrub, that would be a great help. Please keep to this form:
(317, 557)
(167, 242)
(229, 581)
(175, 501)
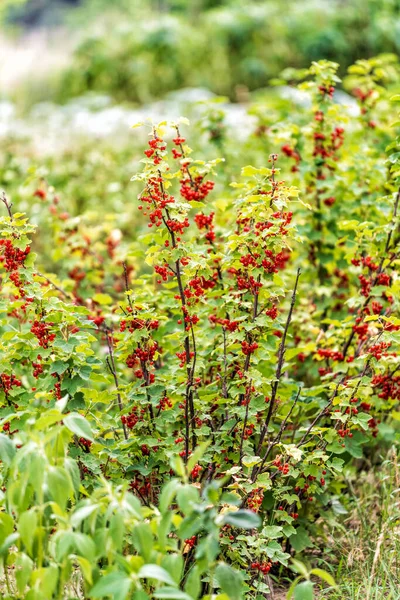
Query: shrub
(247, 342)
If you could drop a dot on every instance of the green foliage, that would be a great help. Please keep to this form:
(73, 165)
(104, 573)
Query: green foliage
(188, 378)
(222, 46)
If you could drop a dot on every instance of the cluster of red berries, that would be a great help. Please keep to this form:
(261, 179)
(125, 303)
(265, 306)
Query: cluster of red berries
(383, 279)
(7, 429)
(283, 467)
(41, 330)
(246, 282)
(292, 153)
(330, 354)
(197, 287)
(20, 312)
(361, 95)
(345, 432)
(136, 323)
(248, 431)
(275, 262)
(157, 146)
(8, 382)
(189, 319)
(325, 147)
(226, 323)
(133, 417)
(176, 226)
(164, 271)
(144, 488)
(57, 391)
(324, 90)
(182, 357)
(157, 195)
(389, 386)
(366, 285)
(98, 319)
(263, 567)
(361, 328)
(206, 222)
(196, 471)
(145, 450)
(249, 260)
(367, 262)
(249, 348)
(112, 243)
(191, 541)
(142, 354)
(178, 141)
(376, 308)
(77, 274)
(194, 188)
(378, 350)
(40, 193)
(272, 264)
(37, 367)
(12, 258)
(85, 443)
(255, 499)
(141, 359)
(164, 403)
(272, 312)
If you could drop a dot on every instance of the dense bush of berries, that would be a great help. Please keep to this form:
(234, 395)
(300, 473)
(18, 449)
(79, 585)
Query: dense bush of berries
(246, 340)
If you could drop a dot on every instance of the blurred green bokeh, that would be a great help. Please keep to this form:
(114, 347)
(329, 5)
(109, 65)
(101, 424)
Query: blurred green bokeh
(138, 50)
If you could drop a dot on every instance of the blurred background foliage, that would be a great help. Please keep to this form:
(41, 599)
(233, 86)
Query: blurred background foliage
(139, 50)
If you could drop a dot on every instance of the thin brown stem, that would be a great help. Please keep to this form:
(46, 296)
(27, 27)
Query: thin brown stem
(7, 204)
(278, 372)
(111, 365)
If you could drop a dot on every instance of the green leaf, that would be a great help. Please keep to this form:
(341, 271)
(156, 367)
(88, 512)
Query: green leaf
(168, 494)
(117, 530)
(250, 461)
(85, 546)
(6, 526)
(59, 485)
(156, 572)
(187, 497)
(173, 564)
(140, 595)
(102, 299)
(193, 583)
(86, 569)
(7, 449)
(142, 538)
(116, 585)
(197, 455)
(300, 541)
(272, 532)
(292, 588)
(229, 580)
(26, 526)
(245, 519)
(178, 466)
(46, 580)
(78, 425)
(82, 513)
(304, 591)
(9, 541)
(23, 571)
(299, 567)
(325, 576)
